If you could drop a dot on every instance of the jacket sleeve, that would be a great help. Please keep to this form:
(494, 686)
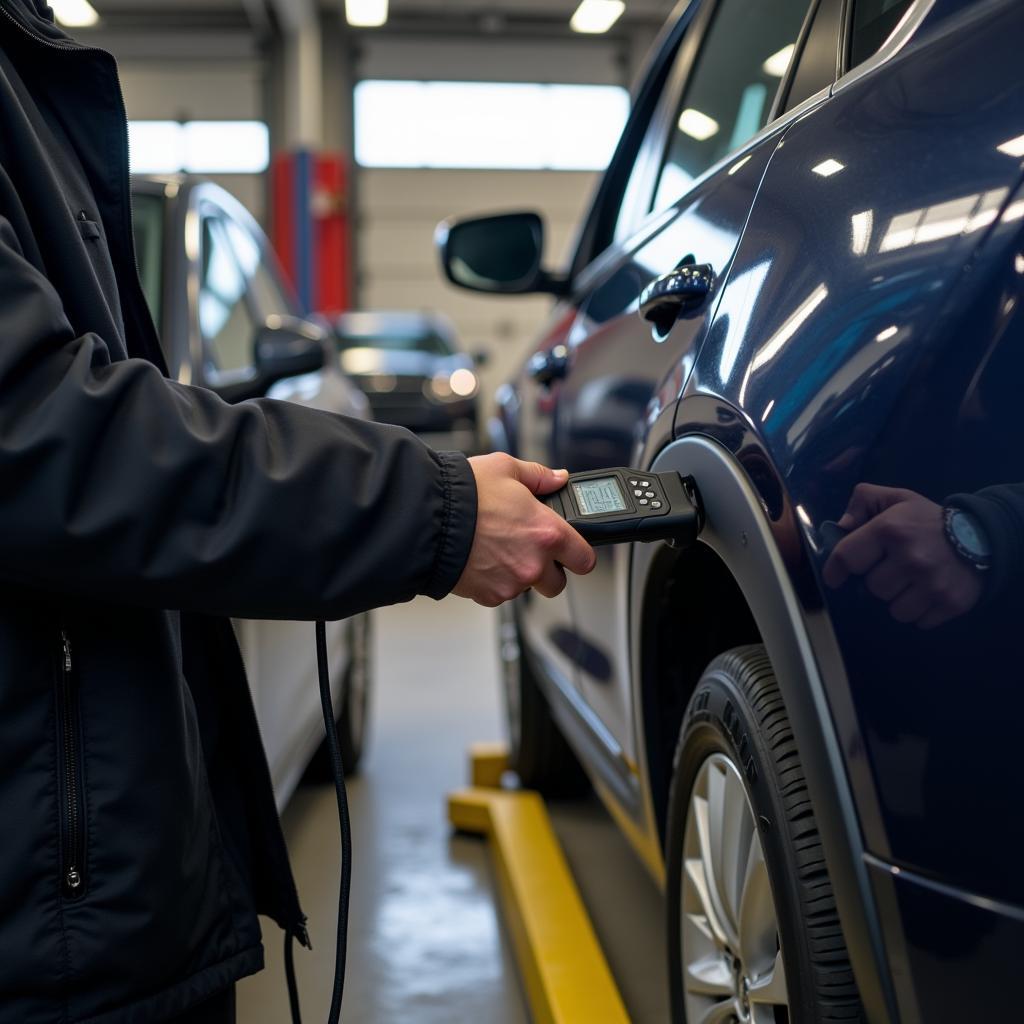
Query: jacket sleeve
(1000, 510)
(121, 485)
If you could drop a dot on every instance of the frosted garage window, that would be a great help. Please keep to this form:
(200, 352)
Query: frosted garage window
(488, 125)
(198, 147)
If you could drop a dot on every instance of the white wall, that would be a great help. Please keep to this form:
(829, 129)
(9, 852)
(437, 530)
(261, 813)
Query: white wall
(398, 266)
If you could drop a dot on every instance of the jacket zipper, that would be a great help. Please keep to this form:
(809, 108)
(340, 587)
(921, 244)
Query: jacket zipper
(72, 830)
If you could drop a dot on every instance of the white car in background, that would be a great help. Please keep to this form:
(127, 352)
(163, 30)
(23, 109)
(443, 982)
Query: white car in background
(228, 322)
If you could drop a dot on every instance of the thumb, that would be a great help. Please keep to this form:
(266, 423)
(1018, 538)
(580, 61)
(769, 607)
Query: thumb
(540, 479)
(868, 501)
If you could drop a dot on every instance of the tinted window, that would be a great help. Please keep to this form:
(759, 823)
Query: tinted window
(873, 22)
(225, 320)
(817, 67)
(742, 60)
(148, 225)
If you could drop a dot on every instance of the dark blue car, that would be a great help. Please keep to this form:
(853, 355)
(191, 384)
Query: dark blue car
(800, 283)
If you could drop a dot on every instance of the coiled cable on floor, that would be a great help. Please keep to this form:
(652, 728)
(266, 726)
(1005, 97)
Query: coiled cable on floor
(338, 771)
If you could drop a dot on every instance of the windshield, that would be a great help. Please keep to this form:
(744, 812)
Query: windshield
(431, 343)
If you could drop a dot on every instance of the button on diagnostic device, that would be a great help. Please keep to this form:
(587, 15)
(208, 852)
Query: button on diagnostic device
(611, 506)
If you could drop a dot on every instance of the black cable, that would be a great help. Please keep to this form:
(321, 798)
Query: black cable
(289, 970)
(338, 770)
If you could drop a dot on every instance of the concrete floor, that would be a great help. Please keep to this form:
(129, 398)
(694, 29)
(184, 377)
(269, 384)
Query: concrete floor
(426, 944)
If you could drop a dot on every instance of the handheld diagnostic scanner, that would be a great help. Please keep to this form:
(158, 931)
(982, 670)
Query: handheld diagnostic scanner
(611, 506)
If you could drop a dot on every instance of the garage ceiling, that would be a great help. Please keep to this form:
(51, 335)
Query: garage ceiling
(492, 14)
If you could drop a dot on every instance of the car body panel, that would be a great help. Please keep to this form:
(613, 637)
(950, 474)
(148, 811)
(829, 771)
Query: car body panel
(866, 326)
(851, 361)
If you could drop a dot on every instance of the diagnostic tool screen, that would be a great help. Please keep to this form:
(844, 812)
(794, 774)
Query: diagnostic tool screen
(599, 497)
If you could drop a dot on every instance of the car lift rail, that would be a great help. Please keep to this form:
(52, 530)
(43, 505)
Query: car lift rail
(564, 971)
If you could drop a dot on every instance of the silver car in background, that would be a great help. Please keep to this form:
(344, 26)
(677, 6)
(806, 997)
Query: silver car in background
(227, 321)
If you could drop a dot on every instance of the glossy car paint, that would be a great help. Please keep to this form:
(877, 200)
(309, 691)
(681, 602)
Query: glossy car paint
(280, 657)
(864, 326)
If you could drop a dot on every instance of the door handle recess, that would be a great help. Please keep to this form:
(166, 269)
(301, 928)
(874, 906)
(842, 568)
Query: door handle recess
(548, 366)
(678, 293)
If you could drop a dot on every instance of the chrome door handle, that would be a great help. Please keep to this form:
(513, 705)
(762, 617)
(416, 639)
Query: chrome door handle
(550, 365)
(678, 293)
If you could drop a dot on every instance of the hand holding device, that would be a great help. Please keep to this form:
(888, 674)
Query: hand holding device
(519, 543)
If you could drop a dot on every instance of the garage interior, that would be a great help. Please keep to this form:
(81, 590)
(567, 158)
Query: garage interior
(426, 938)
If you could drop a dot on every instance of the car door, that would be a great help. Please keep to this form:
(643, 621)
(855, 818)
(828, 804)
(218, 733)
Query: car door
(547, 625)
(616, 403)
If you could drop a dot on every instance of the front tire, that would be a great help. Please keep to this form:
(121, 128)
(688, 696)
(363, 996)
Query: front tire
(753, 932)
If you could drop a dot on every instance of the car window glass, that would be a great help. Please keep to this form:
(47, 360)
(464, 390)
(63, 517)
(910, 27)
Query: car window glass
(148, 227)
(264, 287)
(225, 320)
(744, 57)
(816, 67)
(873, 22)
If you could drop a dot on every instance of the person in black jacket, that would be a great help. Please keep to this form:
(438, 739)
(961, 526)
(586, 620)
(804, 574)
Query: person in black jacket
(140, 837)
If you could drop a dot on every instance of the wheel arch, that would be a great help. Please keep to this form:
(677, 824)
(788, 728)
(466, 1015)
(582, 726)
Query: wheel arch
(738, 562)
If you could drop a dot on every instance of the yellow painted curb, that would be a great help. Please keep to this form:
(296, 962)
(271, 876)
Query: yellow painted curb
(564, 971)
(487, 763)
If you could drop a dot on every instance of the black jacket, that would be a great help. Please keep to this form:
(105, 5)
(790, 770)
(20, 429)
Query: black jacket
(139, 831)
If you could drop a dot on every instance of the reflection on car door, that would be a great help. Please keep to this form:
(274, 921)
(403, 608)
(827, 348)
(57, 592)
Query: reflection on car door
(619, 397)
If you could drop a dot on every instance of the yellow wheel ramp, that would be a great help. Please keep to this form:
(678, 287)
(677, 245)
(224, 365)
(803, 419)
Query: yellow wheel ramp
(564, 971)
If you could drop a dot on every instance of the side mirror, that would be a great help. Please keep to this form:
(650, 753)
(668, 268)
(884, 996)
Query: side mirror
(500, 254)
(288, 347)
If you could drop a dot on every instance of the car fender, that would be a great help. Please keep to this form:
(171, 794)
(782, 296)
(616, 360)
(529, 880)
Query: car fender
(799, 645)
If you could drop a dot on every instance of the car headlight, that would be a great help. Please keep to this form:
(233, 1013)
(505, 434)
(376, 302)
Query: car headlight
(379, 383)
(451, 387)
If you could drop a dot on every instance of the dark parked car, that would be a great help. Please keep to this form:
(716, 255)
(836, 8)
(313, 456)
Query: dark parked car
(808, 724)
(228, 322)
(414, 374)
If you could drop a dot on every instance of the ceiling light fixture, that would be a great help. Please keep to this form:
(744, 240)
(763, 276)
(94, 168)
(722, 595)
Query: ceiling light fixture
(828, 167)
(74, 13)
(594, 16)
(778, 63)
(697, 125)
(1013, 147)
(366, 13)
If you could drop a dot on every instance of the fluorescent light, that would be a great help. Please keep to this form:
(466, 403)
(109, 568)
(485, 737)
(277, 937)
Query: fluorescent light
(198, 147)
(507, 125)
(226, 147)
(697, 125)
(828, 167)
(778, 62)
(1013, 147)
(74, 13)
(596, 16)
(862, 224)
(889, 332)
(366, 13)
(739, 163)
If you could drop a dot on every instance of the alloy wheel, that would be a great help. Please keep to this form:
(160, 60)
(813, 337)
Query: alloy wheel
(733, 969)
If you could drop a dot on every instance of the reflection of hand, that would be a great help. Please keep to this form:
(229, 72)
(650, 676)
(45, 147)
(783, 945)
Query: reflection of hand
(519, 541)
(898, 543)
